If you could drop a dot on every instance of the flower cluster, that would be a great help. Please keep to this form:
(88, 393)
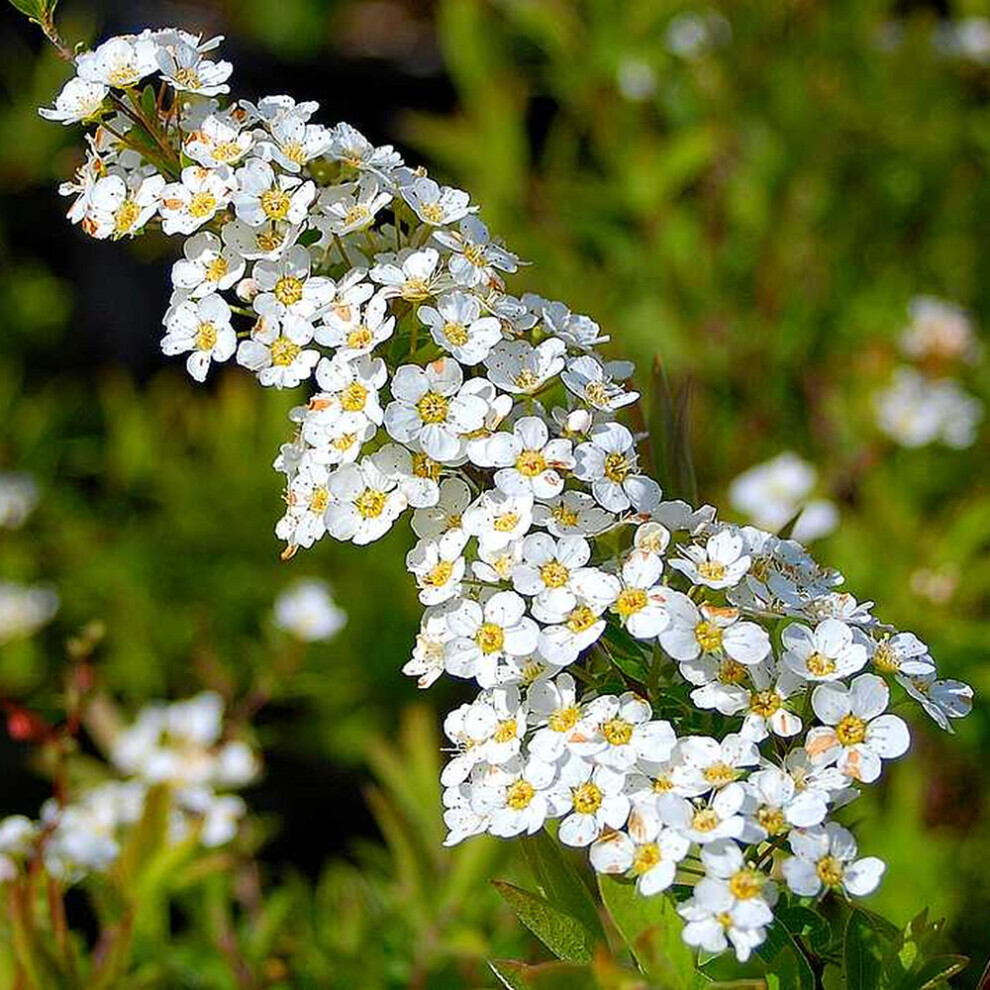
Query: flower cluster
(602, 623)
(179, 746)
(924, 404)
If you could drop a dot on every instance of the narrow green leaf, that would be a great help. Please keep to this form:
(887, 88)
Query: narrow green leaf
(559, 881)
(682, 468)
(933, 972)
(808, 924)
(35, 9)
(565, 936)
(863, 954)
(651, 927)
(149, 101)
(785, 958)
(544, 976)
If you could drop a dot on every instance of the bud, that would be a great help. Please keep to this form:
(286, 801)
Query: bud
(247, 289)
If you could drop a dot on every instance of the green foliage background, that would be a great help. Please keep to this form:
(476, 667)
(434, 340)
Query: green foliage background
(760, 220)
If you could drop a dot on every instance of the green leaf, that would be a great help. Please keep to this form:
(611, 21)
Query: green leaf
(808, 924)
(35, 9)
(863, 954)
(545, 976)
(149, 102)
(933, 972)
(669, 436)
(651, 927)
(559, 880)
(565, 936)
(786, 959)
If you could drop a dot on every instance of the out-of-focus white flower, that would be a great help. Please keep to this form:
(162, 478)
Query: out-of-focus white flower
(967, 38)
(24, 609)
(636, 79)
(939, 331)
(915, 411)
(690, 35)
(18, 498)
(306, 610)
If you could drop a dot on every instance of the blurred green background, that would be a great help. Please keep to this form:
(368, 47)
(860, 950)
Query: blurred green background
(754, 193)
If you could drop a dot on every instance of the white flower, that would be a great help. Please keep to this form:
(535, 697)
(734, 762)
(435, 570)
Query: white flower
(705, 764)
(575, 630)
(592, 798)
(307, 611)
(589, 380)
(572, 514)
(206, 266)
(703, 822)
(497, 519)
(427, 661)
(267, 240)
(939, 331)
(720, 563)
(825, 858)
(120, 205)
(277, 351)
(411, 275)
(307, 500)
(572, 328)
(354, 385)
(554, 710)
(650, 858)
(353, 205)
(435, 407)
(286, 285)
(17, 835)
(183, 67)
(776, 805)
(609, 463)
(902, 653)
(24, 609)
(765, 709)
(350, 329)
(620, 732)
(516, 366)
(438, 567)
(188, 204)
(415, 474)
(456, 325)
(263, 196)
(732, 904)
(710, 630)
(515, 799)
(547, 571)
(350, 146)
(771, 493)
(79, 100)
(941, 700)
(119, 62)
(292, 141)
(529, 462)
(203, 327)
(218, 140)
(827, 654)
(18, 498)
(915, 411)
(484, 633)
(434, 204)
(364, 502)
(475, 258)
(641, 604)
(446, 513)
(856, 734)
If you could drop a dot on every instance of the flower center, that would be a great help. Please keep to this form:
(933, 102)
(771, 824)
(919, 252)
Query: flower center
(295, 152)
(432, 408)
(618, 732)
(704, 820)
(206, 336)
(216, 269)
(565, 516)
(126, 216)
(746, 884)
(519, 794)
(616, 468)
(884, 658)
(645, 858)
(270, 241)
(423, 467)
(708, 635)
(630, 601)
(712, 570)
(288, 290)
(319, 500)
(506, 522)
(661, 785)
(596, 394)
(819, 665)
(851, 730)
(123, 75)
(275, 204)
(764, 703)
(370, 503)
(415, 289)
(202, 205)
(456, 333)
(587, 798)
(527, 380)
(830, 871)
(564, 718)
(475, 253)
(530, 463)
(439, 575)
(187, 76)
(505, 731)
(720, 773)
(554, 574)
(731, 672)
(581, 619)
(226, 151)
(490, 638)
(353, 397)
(431, 212)
(357, 215)
(284, 352)
(772, 819)
(360, 337)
